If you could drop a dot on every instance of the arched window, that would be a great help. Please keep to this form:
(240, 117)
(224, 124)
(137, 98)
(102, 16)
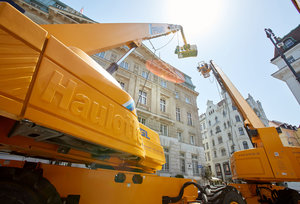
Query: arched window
(245, 144)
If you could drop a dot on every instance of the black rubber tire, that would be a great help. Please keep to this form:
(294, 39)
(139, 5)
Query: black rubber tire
(233, 196)
(27, 186)
(288, 196)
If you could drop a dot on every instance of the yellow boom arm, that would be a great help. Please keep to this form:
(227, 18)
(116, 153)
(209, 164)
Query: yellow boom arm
(95, 38)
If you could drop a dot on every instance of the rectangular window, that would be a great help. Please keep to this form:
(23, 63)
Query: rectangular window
(223, 152)
(195, 167)
(189, 119)
(142, 97)
(192, 139)
(237, 118)
(178, 118)
(124, 65)
(207, 147)
(163, 83)
(101, 54)
(187, 100)
(165, 167)
(113, 57)
(229, 136)
(164, 129)
(122, 84)
(226, 168)
(208, 156)
(142, 120)
(179, 136)
(145, 74)
(215, 154)
(220, 140)
(176, 95)
(213, 142)
(136, 68)
(290, 59)
(182, 162)
(233, 107)
(162, 105)
(218, 169)
(241, 131)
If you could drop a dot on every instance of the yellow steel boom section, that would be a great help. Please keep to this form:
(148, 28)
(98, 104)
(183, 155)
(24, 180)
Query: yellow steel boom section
(95, 38)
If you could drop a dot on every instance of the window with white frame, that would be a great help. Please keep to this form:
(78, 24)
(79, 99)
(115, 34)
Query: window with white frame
(213, 142)
(189, 119)
(192, 139)
(163, 83)
(187, 99)
(215, 154)
(241, 131)
(218, 129)
(136, 68)
(182, 162)
(162, 105)
(165, 167)
(124, 65)
(113, 57)
(178, 117)
(226, 168)
(179, 136)
(142, 97)
(195, 164)
(220, 140)
(164, 129)
(145, 74)
(229, 136)
(101, 54)
(223, 152)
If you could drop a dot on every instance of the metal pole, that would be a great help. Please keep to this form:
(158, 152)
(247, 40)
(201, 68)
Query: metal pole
(270, 34)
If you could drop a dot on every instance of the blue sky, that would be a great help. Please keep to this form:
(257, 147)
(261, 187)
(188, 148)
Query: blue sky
(230, 32)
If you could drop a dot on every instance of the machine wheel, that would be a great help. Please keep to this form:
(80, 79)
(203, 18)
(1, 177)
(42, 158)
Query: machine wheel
(26, 186)
(233, 197)
(288, 196)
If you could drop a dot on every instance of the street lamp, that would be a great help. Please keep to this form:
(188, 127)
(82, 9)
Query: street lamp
(271, 35)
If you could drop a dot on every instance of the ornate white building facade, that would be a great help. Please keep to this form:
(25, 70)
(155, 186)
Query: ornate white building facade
(291, 49)
(223, 133)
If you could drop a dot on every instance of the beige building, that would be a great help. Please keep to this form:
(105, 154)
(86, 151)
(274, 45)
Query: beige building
(288, 135)
(169, 109)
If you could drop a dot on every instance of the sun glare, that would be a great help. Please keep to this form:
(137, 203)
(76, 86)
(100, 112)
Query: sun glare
(194, 15)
